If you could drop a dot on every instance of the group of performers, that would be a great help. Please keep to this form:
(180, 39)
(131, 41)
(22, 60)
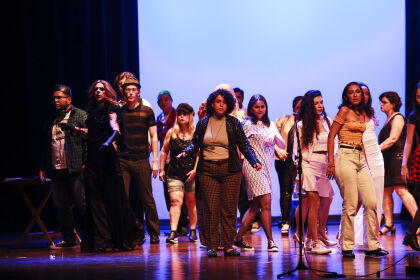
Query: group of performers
(99, 161)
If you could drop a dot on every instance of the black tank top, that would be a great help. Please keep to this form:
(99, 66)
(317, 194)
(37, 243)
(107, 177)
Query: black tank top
(179, 167)
(397, 149)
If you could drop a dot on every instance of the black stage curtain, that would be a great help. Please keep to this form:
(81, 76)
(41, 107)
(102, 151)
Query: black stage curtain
(72, 42)
(412, 52)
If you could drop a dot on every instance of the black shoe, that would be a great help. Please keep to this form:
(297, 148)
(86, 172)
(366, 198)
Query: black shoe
(154, 239)
(193, 235)
(173, 238)
(378, 252)
(64, 244)
(211, 253)
(348, 254)
(141, 241)
(242, 245)
(411, 240)
(232, 252)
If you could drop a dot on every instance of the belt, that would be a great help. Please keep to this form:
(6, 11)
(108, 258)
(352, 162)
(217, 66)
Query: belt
(351, 147)
(320, 152)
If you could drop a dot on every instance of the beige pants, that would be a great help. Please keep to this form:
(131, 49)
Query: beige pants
(354, 180)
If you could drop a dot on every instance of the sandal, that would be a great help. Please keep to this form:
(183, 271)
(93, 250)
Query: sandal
(385, 229)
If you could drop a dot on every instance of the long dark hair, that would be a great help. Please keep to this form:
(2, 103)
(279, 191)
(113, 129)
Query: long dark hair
(370, 112)
(308, 117)
(346, 102)
(251, 115)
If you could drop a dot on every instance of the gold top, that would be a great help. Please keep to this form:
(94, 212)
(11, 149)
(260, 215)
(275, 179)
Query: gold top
(351, 133)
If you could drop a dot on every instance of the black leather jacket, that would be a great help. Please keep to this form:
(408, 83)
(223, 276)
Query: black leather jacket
(236, 138)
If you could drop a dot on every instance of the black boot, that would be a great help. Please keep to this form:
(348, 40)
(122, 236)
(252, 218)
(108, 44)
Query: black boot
(193, 235)
(411, 240)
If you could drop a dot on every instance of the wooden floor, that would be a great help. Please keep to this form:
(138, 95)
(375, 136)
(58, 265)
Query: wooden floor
(188, 261)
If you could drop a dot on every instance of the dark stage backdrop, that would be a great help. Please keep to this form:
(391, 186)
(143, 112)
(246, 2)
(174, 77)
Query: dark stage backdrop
(76, 42)
(412, 51)
(73, 42)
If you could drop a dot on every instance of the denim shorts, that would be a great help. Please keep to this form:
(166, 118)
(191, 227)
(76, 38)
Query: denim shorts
(175, 185)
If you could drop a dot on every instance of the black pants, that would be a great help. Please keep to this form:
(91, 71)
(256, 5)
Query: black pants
(67, 190)
(138, 174)
(286, 173)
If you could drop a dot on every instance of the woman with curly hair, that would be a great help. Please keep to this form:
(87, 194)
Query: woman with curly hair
(313, 129)
(351, 171)
(218, 137)
(262, 134)
(111, 224)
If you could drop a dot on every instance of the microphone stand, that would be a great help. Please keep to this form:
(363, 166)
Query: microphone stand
(300, 265)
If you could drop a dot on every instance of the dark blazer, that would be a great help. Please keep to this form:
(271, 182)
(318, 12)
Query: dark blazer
(236, 138)
(75, 146)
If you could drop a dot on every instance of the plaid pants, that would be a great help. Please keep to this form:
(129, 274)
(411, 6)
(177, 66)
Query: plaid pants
(220, 193)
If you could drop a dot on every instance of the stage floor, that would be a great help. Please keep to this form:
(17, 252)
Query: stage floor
(188, 261)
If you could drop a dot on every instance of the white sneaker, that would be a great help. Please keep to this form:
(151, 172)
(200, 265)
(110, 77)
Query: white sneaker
(285, 229)
(255, 227)
(308, 245)
(272, 246)
(319, 249)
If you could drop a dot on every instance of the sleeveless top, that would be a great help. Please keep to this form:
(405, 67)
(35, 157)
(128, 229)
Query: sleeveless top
(179, 167)
(397, 149)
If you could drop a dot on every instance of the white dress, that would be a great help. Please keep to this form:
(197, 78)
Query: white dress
(376, 167)
(259, 182)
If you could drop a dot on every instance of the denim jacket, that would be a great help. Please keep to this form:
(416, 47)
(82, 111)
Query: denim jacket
(236, 139)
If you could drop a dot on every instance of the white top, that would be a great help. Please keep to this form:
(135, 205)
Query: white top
(320, 145)
(373, 152)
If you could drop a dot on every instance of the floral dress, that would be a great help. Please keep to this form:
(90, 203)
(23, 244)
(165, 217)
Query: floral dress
(259, 182)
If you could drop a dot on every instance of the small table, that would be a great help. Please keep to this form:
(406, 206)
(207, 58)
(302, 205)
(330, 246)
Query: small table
(21, 184)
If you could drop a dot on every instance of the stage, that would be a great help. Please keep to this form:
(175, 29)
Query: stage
(187, 260)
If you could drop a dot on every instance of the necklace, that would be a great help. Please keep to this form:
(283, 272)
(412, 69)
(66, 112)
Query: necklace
(356, 112)
(390, 117)
(183, 136)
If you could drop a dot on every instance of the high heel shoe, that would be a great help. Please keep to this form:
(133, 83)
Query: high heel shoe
(411, 240)
(296, 239)
(326, 241)
(339, 239)
(385, 229)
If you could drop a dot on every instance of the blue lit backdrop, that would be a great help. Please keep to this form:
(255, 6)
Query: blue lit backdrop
(279, 49)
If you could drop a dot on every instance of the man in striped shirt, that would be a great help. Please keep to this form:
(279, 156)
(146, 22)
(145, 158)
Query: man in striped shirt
(139, 121)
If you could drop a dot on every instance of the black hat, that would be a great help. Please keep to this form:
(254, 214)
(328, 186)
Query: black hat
(184, 107)
(131, 81)
(64, 89)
